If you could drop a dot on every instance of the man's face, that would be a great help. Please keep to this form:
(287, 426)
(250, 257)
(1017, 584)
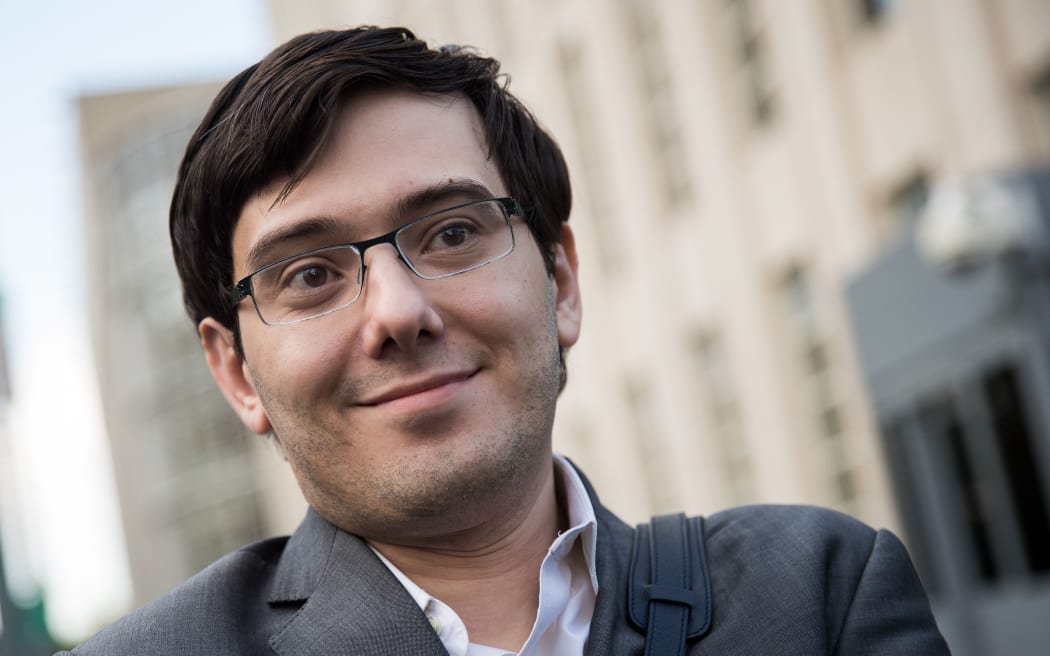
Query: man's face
(427, 404)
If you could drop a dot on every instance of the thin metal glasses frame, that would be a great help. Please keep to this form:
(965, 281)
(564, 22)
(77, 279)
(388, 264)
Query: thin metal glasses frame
(243, 288)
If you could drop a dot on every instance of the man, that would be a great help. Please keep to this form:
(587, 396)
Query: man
(372, 240)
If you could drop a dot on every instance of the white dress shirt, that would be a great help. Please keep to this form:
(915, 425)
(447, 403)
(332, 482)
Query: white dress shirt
(568, 586)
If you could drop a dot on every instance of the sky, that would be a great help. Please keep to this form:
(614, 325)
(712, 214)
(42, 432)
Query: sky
(68, 538)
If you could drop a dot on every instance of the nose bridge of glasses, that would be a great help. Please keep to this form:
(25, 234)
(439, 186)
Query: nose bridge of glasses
(389, 239)
(389, 282)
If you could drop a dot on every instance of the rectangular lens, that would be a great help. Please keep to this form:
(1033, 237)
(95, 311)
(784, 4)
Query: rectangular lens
(457, 239)
(308, 285)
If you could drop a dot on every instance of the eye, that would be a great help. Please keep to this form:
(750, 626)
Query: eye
(308, 278)
(452, 236)
(312, 277)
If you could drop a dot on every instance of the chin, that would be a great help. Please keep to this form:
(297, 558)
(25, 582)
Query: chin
(441, 491)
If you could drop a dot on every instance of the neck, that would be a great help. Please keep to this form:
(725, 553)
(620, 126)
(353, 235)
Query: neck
(489, 575)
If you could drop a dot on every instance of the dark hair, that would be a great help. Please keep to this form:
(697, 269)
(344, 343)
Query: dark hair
(271, 121)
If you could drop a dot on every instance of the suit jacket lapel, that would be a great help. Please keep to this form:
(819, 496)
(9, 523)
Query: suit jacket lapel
(353, 604)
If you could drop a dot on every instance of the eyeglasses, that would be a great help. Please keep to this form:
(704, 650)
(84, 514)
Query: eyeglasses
(324, 280)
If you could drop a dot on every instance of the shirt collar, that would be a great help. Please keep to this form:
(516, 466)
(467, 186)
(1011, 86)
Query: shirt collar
(580, 513)
(583, 524)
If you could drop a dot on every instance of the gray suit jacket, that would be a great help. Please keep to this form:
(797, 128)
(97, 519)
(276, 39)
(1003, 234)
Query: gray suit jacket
(785, 580)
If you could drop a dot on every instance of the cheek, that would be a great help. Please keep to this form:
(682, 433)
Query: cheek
(297, 369)
(517, 311)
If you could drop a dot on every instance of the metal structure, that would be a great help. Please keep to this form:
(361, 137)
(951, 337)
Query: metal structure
(956, 357)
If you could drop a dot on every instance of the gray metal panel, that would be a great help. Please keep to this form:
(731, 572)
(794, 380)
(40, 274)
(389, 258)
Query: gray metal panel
(901, 306)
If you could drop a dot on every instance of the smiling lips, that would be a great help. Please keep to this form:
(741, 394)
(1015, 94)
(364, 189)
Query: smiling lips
(433, 389)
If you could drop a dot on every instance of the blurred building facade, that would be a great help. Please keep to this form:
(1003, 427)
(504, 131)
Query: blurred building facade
(192, 484)
(742, 168)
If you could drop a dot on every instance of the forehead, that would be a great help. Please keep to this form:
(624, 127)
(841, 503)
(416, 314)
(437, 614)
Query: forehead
(386, 147)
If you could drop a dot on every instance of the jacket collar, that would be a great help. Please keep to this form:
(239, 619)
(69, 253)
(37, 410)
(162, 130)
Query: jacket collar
(304, 560)
(353, 604)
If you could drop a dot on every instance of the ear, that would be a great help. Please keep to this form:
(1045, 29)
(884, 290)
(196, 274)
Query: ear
(231, 373)
(567, 300)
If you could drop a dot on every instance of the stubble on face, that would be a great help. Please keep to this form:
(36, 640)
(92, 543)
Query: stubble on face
(450, 482)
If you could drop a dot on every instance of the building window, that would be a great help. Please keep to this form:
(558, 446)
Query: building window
(1010, 422)
(942, 427)
(504, 27)
(658, 101)
(872, 12)
(655, 459)
(814, 368)
(576, 87)
(1041, 110)
(907, 202)
(723, 412)
(750, 56)
(987, 486)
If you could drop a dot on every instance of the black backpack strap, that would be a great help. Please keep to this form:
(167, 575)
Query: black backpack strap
(669, 593)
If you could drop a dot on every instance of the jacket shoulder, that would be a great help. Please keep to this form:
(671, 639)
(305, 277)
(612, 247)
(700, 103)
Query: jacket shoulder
(812, 558)
(818, 576)
(229, 597)
(775, 553)
(800, 529)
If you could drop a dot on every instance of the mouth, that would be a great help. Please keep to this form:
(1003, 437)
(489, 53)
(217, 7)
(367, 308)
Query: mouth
(424, 392)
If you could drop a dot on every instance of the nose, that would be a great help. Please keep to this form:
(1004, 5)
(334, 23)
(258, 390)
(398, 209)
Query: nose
(398, 315)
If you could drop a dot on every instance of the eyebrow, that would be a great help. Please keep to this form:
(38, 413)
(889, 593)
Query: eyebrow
(465, 189)
(262, 253)
(407, 208)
